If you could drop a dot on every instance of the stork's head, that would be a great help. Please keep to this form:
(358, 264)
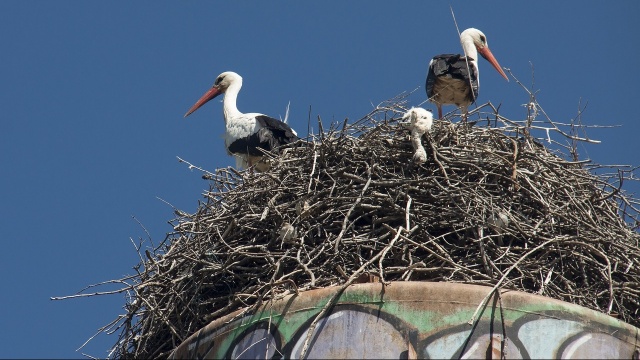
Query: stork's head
(419, 118)
(222, 83)
(480, 42)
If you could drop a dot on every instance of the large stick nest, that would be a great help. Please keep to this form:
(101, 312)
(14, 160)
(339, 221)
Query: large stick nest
(491, 206)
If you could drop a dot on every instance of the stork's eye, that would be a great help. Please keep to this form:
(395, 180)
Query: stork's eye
(483, 39)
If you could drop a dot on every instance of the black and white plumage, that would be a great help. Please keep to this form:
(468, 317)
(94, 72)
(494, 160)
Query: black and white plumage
(247, 133)
(455, 78)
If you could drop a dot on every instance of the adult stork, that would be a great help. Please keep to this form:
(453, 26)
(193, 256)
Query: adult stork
(245, 134)
(455, 78)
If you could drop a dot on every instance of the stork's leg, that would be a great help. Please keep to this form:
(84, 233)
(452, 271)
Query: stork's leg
(251, 167)
(241, 162)
(464, 110)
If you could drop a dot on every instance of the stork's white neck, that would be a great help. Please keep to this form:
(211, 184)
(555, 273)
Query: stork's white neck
(230, 108)
(468, 46)
(470, 51)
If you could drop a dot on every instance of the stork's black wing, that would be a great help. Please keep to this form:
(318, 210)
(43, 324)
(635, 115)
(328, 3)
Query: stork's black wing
(453, 66)
(272, 134)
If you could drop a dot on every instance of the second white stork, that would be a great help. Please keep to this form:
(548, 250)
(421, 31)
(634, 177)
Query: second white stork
(247, 133)
(455, 78)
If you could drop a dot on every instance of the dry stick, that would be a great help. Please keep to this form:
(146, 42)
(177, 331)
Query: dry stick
(482, 303)
(608, 270)
(306, 269)
(441, 258)
(313, 169)
(339, 292)
(145, 229)
(384, 253)
(466, 59)
(92, 294)
(435, 158)
(407, 212)
(191, 167)
(483, 255)
(138, 250)
(555, 127)
(514, 173)
(346, 218)
(120, 317)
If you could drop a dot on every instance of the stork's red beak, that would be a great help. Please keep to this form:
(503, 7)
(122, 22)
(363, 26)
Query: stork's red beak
(486, 53)
(213, 92)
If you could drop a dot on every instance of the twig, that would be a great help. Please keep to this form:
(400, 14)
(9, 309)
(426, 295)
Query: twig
(504, 277)
(191, 167)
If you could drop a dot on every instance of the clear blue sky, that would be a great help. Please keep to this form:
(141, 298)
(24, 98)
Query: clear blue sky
(93, 95)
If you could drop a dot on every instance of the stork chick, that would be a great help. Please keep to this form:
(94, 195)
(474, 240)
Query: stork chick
(421, 121)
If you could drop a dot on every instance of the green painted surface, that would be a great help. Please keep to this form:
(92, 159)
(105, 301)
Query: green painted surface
(436, 315)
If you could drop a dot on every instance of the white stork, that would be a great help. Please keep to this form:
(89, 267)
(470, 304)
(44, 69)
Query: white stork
(455, 78)
(245, 134)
